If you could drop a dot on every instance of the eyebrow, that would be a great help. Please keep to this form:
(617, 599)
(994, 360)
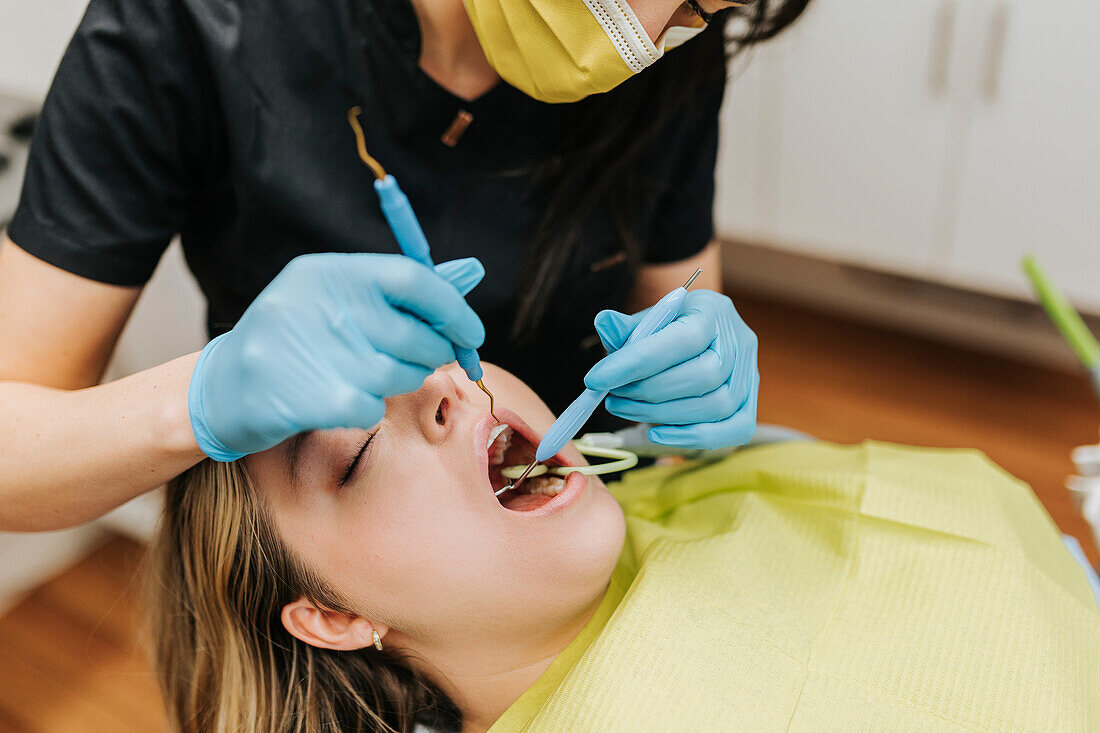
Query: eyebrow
(294, 453)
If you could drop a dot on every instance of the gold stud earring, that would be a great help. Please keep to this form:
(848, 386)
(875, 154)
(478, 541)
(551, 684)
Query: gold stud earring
(377, 640)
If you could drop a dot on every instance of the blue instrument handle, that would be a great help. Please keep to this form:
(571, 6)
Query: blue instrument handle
(573, 418)
(402, 220)
(414, 245)
(660, 315)
(470, 362)
(568, 424)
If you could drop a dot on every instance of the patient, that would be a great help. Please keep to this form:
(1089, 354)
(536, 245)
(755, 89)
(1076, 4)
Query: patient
(780, 589)
(275, 570)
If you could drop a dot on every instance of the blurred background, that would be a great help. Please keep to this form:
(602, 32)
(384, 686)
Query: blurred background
(883, 168)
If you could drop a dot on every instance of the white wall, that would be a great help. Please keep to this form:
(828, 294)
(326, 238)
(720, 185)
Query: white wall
(33, 34)
(167, 322)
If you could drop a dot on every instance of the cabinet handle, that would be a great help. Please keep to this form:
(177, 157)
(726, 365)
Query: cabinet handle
(995, 52)
(943, 33)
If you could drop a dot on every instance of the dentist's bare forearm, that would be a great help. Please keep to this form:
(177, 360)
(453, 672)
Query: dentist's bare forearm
(654, 281)
(69, 456)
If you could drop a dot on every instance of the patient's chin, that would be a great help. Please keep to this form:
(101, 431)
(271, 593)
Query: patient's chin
(595, 541)
(605, 555)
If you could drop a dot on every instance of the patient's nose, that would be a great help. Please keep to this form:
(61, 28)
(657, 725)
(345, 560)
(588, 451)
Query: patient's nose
(438, 402)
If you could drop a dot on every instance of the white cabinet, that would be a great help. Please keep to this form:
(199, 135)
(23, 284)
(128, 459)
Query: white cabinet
(861, 138)
(1030, 176)
(936, 138)
(743, 153)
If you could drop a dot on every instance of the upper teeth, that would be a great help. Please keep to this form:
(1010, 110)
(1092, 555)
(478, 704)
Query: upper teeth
(495, 432)
(496, 452)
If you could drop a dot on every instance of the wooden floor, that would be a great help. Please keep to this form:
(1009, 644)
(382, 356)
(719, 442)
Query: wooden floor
(71, 654)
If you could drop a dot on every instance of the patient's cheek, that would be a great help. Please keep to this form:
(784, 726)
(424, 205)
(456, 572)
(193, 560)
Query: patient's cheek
(513, 393)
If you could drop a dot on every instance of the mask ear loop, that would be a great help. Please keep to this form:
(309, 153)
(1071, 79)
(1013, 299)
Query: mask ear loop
(621, 461)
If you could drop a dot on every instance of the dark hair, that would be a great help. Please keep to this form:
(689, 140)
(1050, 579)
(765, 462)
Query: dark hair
(592, 172)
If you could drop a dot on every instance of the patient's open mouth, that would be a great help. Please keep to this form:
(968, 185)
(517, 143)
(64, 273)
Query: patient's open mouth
(509, 447)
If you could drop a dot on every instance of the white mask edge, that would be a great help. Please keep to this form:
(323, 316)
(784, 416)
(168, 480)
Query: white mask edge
(678, 35)
(625, 32)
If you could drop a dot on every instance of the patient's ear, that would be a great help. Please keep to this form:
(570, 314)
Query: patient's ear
(327, 629)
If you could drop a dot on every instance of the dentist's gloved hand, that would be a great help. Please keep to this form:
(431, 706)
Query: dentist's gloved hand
(325, 343)
(696, 378)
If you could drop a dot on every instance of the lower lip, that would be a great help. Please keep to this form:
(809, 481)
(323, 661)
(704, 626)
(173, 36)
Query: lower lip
(575, 485)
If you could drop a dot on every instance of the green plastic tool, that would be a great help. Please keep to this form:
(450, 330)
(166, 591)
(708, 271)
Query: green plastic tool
(1066, 318)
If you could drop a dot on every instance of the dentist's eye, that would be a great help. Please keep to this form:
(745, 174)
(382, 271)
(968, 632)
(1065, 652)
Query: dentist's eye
(349, 471)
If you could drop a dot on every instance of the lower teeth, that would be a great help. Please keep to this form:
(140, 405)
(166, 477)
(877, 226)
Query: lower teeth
(545, 485)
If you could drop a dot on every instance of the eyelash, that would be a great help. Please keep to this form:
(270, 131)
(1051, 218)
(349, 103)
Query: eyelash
(354, 462)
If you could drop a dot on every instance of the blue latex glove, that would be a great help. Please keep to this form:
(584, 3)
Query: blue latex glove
(696, 378)
(325, 343)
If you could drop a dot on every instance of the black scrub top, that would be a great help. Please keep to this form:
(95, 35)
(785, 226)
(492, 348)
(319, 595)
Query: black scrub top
(225, 122)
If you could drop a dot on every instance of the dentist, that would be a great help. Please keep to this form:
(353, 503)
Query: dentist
(558, 152)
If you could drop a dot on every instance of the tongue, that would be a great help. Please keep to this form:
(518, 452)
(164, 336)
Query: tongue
(523, 502)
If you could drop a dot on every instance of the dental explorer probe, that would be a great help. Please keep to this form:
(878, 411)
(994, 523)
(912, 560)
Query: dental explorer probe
(576, 415)
(410, 238)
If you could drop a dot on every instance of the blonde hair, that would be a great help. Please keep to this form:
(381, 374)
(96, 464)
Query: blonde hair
(220, 577)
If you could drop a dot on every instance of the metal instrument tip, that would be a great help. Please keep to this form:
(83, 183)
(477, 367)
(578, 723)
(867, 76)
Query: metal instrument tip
(361, 144)
(492, 401)
(691, 279)
(513, 484)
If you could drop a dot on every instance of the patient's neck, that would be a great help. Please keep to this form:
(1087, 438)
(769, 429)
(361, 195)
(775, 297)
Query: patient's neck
(484, 676)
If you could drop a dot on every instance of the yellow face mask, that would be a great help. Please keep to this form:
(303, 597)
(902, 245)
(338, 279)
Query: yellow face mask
(563, 50)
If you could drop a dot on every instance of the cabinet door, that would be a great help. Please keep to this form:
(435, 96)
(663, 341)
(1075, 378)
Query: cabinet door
(744, 151)
(859, 142)
(1031, 174)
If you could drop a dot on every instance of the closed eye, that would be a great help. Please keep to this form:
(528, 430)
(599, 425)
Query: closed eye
(349, 471)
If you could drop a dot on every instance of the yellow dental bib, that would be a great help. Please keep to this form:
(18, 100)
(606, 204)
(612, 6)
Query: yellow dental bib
(813, 587)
